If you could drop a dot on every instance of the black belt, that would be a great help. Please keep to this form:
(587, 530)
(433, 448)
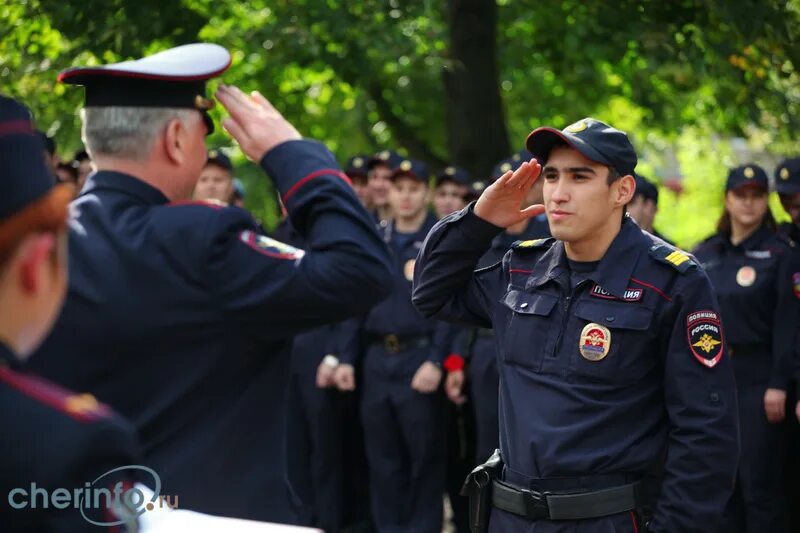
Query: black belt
(399, 343)
(536, 505)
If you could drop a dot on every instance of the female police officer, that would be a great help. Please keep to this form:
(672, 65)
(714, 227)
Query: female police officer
(751, 270)
(611, 353)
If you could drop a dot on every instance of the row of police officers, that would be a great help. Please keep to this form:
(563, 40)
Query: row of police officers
(626, 384)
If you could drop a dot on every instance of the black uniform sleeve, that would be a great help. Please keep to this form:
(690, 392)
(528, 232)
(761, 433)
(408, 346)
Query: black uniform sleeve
(700, 396)
(786, 320)
(274, 289)
(445, 283)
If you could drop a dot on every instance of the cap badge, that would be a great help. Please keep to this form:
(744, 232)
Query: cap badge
(384, 155)
(516, 157)
(749, 172)
(746, 276)
(505, 167)
(478, 186)
(358, 162)
(595, 342)
(203, 103)
(405, 165)
(577, 127)
(450, 171)
(212, 154)
(784, 173)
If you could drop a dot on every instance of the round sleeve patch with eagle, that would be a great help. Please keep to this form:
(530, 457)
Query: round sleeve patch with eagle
(704, 332)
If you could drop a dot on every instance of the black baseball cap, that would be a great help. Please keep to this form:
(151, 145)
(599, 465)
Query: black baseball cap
(411, 167)
(385, 157)
(218, 157)
(747, 175)
(646, 188)
(594, 139)
(787, 176)
(356, 166)
(455, 174)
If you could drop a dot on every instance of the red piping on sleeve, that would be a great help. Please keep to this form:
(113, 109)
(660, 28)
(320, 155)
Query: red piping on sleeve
(317, 173)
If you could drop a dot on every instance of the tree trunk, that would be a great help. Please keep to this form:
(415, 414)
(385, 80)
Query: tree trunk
(477, 136)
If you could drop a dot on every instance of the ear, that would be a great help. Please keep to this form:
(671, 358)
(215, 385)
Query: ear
(34, 260)
(175, 141)
(625, 189)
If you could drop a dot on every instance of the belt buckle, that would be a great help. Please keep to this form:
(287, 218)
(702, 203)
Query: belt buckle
(391, 343)
(536, 503)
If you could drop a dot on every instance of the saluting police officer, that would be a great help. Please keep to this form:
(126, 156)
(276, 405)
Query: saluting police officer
(177, 312)
(612, 356)
(53, 439)
(751, 270)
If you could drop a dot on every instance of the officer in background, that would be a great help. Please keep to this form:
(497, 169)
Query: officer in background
(612, 358)
(215, 183)
(481, 368)
(314, 418)
(644, 206)
(356, 170)
(90, 440)
(751, 270)
(83, 163)
(401, 408)
(178, 312)
(450, 191)
(379, 171)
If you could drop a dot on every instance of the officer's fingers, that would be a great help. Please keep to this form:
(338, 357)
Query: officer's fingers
(520, 176)
(502, 181)
(238, 108)
(263, 102)
(236, 130)
(531, 211)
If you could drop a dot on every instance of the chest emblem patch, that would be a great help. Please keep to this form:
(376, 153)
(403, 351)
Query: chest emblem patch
(595, 342)
(704, 333)
(746, 276)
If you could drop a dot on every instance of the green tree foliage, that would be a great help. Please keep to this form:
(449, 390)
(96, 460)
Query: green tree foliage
(360, 75)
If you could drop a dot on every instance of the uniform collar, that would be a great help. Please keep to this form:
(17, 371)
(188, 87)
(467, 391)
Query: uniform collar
(131, 185)
(615, 268)
(754, 240)
(7, 357)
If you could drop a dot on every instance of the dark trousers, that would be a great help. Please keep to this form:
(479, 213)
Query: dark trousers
(484, 383)
(503, 522)
(315, 450)
(403, 435)
(758, 502)
(460, 459)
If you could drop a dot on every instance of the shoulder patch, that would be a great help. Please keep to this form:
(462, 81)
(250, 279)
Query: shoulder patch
(677, 259)
(81, 407)
(269, 246)
(532, 244)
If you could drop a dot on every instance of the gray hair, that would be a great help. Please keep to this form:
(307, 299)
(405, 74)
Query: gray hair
(126, 132)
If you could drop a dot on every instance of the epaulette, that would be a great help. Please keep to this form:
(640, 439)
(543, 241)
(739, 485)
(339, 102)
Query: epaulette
(677, 259)
(532, 244)
(81, 407)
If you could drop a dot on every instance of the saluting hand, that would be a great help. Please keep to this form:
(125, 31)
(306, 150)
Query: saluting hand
(500, 202)
(453, 386)
(255, 124)
(427, 378)
(775, 405)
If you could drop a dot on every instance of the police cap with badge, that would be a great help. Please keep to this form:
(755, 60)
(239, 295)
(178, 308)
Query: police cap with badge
(454, 174)
(787, 177)
(30, 201)
(411, 168)
(174, 78)
(511, 163)
(595, 140)
(388, 158)
(218, 157)
(749, 175)
(356, 167)
(646, 188)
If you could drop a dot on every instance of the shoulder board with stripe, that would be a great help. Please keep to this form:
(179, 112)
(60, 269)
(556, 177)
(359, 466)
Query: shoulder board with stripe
(532, 244)
(677, 259)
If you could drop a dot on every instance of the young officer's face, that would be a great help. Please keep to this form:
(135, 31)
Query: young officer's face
(747, 205)
(408, 197)
(215, 183)
(448, 198)
(578, 200)
(379, 184)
